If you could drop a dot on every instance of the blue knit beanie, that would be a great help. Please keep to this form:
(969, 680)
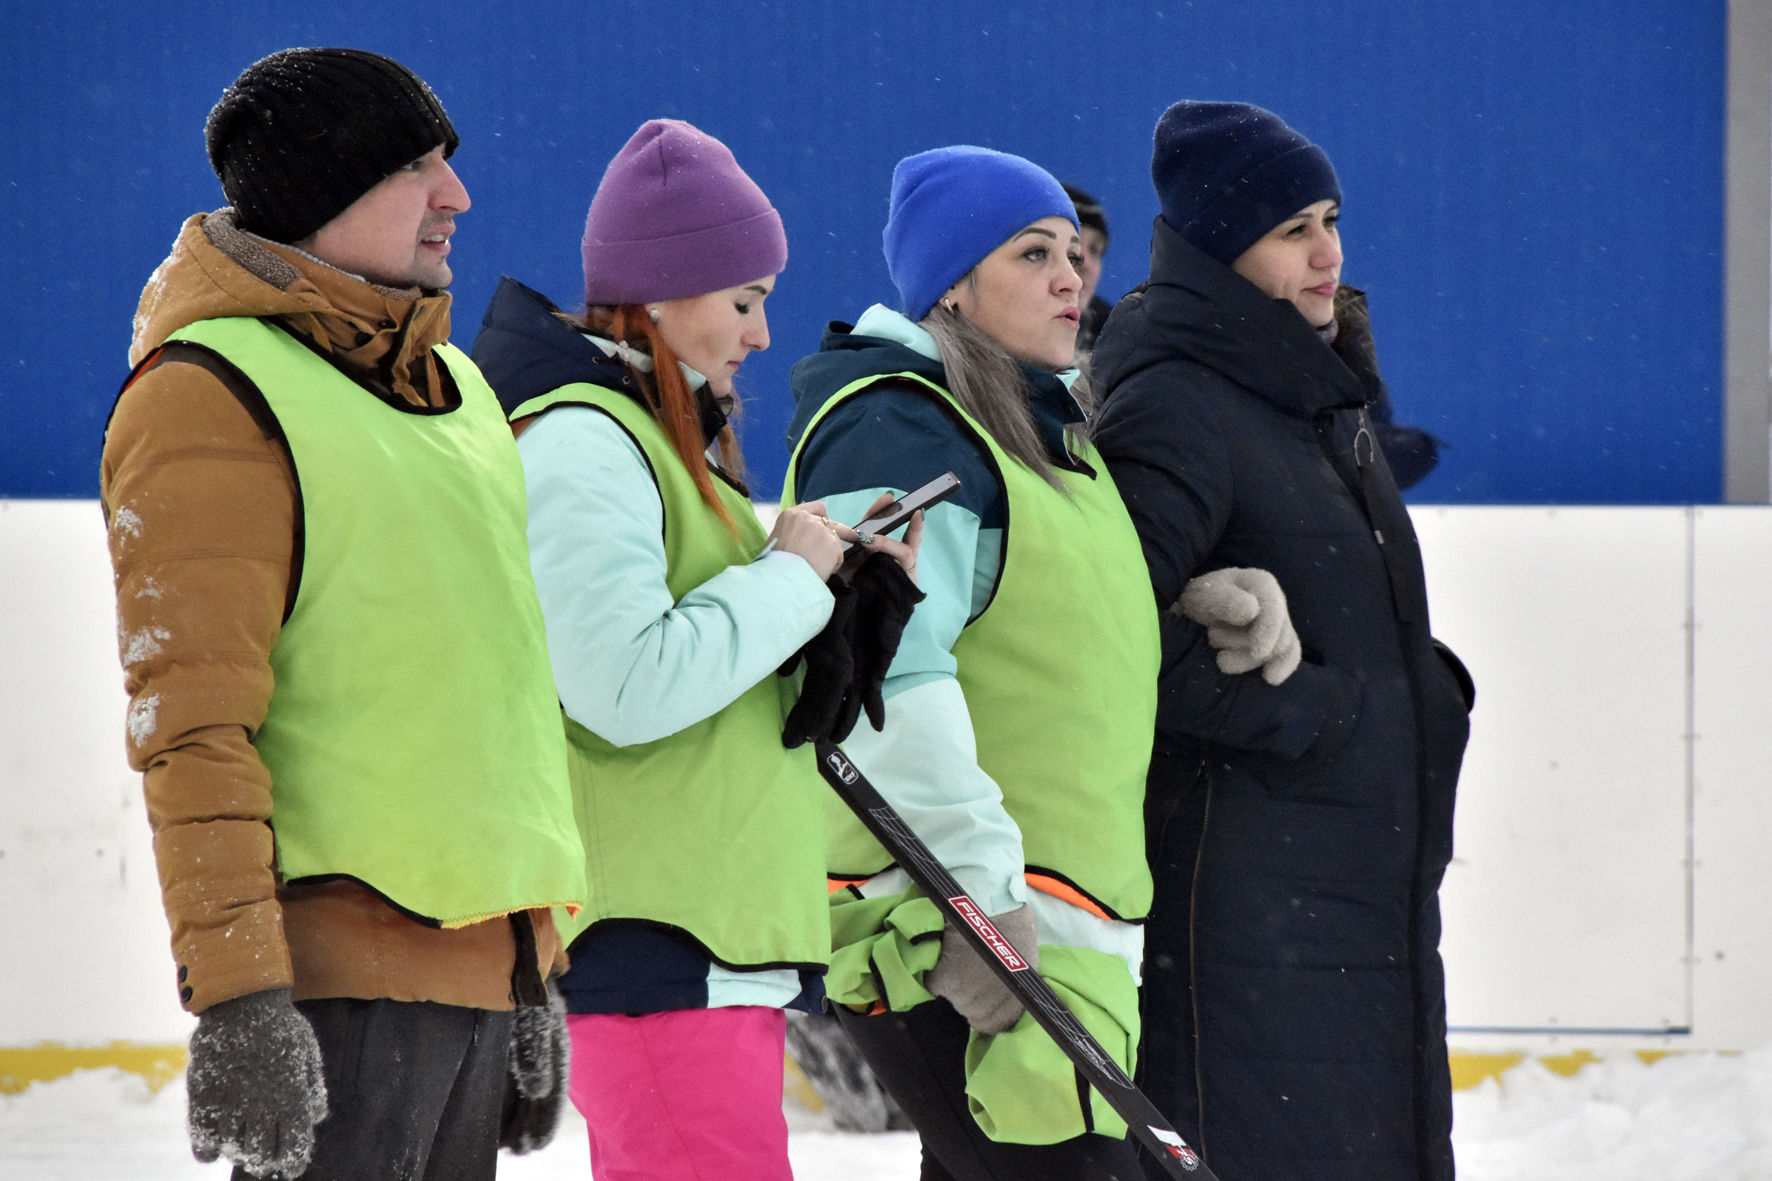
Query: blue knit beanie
(953, 206)
(1227, 173)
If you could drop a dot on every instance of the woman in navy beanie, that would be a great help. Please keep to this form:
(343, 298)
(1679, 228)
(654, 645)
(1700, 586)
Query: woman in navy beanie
(1294, 1001)
(668, 612)
(1018, 707)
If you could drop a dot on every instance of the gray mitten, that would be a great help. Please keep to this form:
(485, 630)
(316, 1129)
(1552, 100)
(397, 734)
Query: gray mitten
(970, 985)
(1244, 613)
(255, 1086)
(540, 1051)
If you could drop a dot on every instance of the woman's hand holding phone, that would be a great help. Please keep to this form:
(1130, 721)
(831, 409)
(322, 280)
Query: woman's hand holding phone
(805, 531)
(830, 547)
(864, 541)
(848, 661)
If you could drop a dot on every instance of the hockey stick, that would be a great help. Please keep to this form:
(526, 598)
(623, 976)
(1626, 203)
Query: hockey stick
(1079, 1045)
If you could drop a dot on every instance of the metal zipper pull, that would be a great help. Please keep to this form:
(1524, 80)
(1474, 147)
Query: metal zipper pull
(1365, 453)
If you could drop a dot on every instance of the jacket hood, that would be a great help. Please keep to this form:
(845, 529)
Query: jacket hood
(525, 350)
(884, 341)
(1196, 309)
(846, 356)
(217, 270)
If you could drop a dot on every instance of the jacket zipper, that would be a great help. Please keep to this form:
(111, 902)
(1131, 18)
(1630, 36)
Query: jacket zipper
(1402, 611)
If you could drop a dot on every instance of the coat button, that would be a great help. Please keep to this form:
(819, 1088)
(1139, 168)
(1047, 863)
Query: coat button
(184, 973)
(185, 994)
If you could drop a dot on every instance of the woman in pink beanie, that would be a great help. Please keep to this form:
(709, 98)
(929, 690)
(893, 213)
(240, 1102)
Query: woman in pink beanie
(669, 612)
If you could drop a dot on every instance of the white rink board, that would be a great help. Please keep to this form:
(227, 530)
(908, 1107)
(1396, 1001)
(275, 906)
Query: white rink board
(1732, 775)
(88, 954)
(1569, 907)
(1566, 904)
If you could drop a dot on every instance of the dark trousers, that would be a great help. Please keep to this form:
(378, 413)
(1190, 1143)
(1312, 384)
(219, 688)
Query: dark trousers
(920, 1058)
(414, 1091)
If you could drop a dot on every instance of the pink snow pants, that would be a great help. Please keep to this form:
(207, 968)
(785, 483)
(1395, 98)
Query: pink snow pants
(690, 1095)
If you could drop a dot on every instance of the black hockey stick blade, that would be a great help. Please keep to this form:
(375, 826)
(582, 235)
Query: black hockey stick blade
(1148, 1126)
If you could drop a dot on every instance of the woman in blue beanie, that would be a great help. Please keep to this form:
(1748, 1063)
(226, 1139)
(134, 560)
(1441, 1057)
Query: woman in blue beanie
(1294, 1007)
(668, 614)
(1019, 704)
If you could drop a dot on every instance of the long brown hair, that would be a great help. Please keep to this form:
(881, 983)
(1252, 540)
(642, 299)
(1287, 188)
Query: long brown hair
(667, 394)
(990, 385)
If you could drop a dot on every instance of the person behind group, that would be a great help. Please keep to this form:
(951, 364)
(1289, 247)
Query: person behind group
(1092, 227)
(1294, 1003)
(338, 684)
(668, 613)
(1018, 706)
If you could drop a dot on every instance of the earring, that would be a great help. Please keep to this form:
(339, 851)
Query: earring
(653, 312)
(948, 306)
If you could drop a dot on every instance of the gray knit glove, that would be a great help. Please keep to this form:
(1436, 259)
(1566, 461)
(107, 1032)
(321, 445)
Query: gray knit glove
(970, 985)
(540, 1052)
(1244, 613)
(254, 1083)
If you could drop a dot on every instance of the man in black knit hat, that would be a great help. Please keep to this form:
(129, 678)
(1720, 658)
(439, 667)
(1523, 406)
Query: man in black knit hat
(340, 696)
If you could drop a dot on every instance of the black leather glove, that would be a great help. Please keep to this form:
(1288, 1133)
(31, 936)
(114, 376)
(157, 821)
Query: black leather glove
(884, 599)
(255, 1087)
(824, 708)
(536, 1082)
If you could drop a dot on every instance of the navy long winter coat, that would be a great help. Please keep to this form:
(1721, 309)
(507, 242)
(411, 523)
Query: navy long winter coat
(1294, 1000)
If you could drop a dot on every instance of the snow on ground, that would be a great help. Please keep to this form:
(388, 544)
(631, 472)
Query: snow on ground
(1698, 1117)
(105, 1125)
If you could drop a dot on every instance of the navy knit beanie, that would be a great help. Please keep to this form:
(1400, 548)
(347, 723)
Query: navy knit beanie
(952, 206)
(1227, 173)
(303, 133)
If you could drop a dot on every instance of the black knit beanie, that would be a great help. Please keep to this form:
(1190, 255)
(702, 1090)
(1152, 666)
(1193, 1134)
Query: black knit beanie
(1227, 173)
(303, 133)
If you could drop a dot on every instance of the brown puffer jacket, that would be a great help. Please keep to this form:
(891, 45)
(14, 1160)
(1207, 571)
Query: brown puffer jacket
(201, 506)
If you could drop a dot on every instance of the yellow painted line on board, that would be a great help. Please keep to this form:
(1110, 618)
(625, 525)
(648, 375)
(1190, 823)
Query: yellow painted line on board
(1472, 1069)
(20, 1066)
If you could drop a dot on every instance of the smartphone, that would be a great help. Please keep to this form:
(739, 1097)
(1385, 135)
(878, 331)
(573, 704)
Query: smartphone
(899, 511)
